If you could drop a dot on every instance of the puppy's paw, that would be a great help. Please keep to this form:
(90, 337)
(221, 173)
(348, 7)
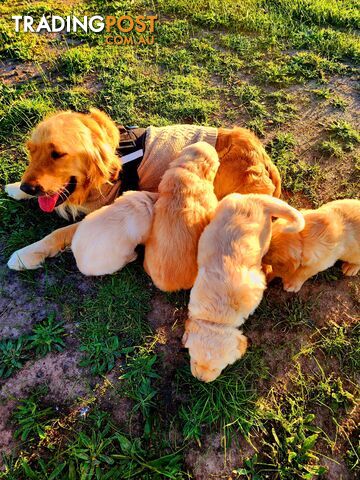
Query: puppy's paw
(25, 259)
(350, 269)
(292, 286)
(13, 190)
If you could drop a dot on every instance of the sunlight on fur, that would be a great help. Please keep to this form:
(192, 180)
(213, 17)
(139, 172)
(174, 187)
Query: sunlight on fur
(230, 283)
(331, 233)
(105, 240)
(185, 206)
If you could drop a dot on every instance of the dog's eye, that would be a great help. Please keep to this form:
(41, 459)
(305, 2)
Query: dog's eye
(56, 155)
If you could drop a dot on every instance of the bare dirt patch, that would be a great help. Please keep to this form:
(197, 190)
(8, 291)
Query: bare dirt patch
(58, 371)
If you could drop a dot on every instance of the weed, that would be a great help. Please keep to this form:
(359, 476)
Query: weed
(101, 354)
(23, 114)
(291, 313)
(138, 383)
(31, 418)
(332, 148)
(339, 102)
(46, 337)
(344, 343)
(324, 93)
(13, 354)
(98, 450)
(296, 175)
(345, 133)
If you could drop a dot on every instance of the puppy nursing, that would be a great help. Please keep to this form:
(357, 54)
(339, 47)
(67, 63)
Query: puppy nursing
(185, 206)
(105, 240)
(230, 282)
(331, 233)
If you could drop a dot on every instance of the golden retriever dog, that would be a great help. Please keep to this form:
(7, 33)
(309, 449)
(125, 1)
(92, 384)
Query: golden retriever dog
(184, 208)
(71, 156)
(230, 283)
(331, 233)
(105, 240)
(75, 165)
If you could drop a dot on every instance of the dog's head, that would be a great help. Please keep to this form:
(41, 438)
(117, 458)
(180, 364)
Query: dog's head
(284, 254)
(71, 154)
(195, 164)
(212, 347)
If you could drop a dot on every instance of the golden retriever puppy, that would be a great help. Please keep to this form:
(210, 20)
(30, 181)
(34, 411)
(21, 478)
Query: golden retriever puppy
(230, 283)
(331, 233)
(184, 208)
(102, 243)
(105, 240)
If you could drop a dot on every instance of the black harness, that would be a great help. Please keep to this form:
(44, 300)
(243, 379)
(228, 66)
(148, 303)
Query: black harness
(131, 151)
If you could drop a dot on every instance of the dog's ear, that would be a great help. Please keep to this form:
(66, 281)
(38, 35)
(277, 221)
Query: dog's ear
(242, 344)
(107, 125)
(103, 164)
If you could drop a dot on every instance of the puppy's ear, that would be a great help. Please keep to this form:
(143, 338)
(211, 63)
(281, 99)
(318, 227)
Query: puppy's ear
(242, 344)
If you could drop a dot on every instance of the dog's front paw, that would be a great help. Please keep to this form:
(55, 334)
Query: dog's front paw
(292, 286)
(25, 259)
(13, 190)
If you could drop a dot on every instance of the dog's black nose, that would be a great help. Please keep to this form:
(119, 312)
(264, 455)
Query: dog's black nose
(30, 189)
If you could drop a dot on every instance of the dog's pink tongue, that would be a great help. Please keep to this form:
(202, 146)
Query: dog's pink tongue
(47, 203)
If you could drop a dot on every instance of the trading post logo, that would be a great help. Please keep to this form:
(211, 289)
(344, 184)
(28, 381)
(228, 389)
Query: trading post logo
(124, 30)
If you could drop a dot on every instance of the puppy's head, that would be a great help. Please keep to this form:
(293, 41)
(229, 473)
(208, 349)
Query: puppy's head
(284, 254)
(212, 347)
(70, 154)
(200, 159)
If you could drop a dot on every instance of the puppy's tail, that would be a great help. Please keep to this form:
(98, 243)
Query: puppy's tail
(278, 208)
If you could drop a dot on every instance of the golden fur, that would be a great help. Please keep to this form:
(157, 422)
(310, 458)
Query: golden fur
(87, 145)
(105, 240)
(230, 283)
(245, 167)
(331, 233)
(185, 206)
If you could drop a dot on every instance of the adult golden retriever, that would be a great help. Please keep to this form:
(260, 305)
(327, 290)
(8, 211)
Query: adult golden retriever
(74, 167)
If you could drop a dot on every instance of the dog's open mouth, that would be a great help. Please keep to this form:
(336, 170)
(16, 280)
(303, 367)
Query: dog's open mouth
(47, 203)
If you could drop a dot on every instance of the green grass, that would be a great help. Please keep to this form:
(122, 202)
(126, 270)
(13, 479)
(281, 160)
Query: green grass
(297, 175)
(114, 320)
(274, 67)
(44, 338)
(227, 404)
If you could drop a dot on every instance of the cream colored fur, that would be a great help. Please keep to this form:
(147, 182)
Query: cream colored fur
(105, 240)
(230, 283)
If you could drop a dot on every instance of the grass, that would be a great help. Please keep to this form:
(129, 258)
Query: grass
(45, 337)
(228, 403)
(283, 69)
(298, 176)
